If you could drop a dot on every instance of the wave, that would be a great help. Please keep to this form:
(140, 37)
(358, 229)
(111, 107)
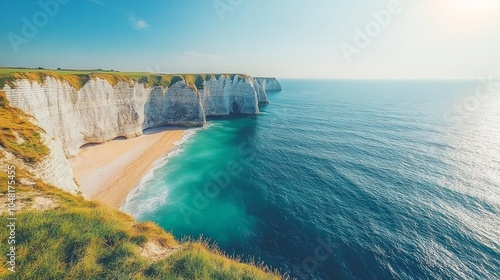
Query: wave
(147, 205)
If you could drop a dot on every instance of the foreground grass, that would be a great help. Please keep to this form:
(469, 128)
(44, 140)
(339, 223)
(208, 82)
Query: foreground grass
(84, 240)
(78, 78)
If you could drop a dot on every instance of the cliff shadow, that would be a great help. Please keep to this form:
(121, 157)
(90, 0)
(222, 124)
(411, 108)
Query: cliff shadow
(155, 130)
(231, 117)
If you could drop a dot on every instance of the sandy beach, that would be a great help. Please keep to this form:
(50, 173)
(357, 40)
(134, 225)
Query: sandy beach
(108, 172)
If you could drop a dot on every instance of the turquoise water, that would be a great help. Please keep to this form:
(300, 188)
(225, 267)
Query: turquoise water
(345, 180)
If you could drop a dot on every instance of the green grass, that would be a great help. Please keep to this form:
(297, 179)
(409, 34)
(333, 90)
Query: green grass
(77, 78)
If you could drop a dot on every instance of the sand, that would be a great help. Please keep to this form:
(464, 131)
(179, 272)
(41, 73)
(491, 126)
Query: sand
(108, 172)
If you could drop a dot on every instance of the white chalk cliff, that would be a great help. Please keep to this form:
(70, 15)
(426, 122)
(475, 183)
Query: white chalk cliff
(100, 112)
(269, 84)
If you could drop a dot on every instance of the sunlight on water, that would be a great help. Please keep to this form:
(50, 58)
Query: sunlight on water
(402, 177)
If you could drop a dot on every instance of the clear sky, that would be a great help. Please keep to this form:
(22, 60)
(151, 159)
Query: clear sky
(307, 39)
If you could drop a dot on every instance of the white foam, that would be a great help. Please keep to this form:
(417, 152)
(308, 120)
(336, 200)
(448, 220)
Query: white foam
(149, 204)
(153, 202)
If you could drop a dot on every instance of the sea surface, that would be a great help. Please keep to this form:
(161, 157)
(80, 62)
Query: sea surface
(344, 180)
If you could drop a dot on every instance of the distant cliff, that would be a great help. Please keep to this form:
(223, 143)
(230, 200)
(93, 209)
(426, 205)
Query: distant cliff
(268, 84)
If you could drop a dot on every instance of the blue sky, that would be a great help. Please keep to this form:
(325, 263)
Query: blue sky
(309, 39)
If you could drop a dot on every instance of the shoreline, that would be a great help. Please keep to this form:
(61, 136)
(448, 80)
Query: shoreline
(109, 172)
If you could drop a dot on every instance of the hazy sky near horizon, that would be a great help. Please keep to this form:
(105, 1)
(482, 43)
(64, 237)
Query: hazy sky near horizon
(306, 39)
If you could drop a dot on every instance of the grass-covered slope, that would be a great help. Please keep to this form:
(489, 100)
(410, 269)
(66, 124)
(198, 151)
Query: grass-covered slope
(18, 135)
(62, 236)
(78, 78)
(75, 239)
(83, 240)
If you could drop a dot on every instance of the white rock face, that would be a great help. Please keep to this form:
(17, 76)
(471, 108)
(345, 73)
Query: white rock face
(96, 113)
(55, 169)
(261, 92)
(178, 105)
(225, 96)
(269, 84)
(99, 112)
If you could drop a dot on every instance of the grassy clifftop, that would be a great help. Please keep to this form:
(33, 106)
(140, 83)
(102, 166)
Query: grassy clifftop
(78, 78)
(74, 78)
(62, 236)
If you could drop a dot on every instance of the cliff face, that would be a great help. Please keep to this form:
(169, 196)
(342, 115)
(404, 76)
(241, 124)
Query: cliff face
(55, 169)
(176, 105)
(96, 113)
(261, 92)
(99, 112)
(269, 84)
(225, 96)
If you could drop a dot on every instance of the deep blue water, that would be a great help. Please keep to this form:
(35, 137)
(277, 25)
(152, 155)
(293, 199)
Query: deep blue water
(345, 180)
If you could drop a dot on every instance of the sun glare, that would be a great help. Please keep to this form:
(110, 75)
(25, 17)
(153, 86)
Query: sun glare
(473, 8)
(467, 14)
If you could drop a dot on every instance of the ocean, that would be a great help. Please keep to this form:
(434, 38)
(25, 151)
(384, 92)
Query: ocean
(344, 179)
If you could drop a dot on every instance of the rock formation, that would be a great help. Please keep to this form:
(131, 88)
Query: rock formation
(99, 112)
(269, 84)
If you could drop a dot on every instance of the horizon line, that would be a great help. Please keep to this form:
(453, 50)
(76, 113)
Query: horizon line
(256, 76)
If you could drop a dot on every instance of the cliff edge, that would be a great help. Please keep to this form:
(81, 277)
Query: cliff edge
(78, 109)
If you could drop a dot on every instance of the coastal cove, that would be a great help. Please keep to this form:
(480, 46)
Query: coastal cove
(108, 172)
(79, 141)
(79, 109)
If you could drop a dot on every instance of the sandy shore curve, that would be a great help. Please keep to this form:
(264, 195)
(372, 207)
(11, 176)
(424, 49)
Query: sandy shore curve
(108, 172)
